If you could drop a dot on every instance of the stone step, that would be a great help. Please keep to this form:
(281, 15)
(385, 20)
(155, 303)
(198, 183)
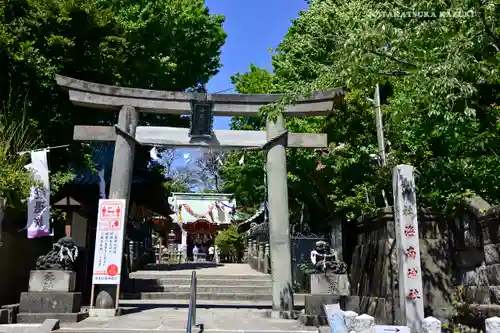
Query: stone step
(208, 288)
(184, 266)
(38, 318)
(165, 276)
(199, 295)
(134, 301)
(204, 303)
(201, 282)
(135, 304)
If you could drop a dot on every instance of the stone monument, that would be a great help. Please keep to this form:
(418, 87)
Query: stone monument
(329, 284)
(51, 292)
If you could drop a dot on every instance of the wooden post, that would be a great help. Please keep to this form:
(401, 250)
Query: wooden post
(379, 126)
(92, 289)
(279, 228)
(121, 180)
(408, 248)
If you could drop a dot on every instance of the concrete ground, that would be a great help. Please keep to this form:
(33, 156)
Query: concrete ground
(175, 320)
(166, 316)
(19, 328)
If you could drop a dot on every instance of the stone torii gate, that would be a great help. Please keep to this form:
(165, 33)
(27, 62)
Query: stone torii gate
(130, 102)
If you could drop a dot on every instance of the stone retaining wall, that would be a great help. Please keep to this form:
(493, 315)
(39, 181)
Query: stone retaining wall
(460, 257)
(477, 259)
(373, 266)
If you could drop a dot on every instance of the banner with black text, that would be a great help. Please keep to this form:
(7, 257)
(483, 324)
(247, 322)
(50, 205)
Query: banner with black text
(38, 224)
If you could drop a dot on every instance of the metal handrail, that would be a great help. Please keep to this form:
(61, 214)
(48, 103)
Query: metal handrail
(192, 304)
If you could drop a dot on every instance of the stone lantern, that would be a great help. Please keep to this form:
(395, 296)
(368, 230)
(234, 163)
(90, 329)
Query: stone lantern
(171, 237)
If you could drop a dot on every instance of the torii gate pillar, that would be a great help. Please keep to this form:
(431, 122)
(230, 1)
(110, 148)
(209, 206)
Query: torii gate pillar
(279, 225)
(121, 181)
(121, 175)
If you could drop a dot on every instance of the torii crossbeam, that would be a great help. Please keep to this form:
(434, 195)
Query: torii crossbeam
(179, 137)
(130, 102)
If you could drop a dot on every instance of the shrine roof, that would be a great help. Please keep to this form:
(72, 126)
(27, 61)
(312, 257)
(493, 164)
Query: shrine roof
(258, 218)
(202, 196)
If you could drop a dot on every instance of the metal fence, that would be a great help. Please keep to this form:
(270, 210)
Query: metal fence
(301, 247)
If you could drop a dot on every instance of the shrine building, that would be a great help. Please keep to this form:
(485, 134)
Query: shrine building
(198, 217)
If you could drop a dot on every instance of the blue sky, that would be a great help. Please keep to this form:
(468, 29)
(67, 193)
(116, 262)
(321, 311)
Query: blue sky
(253, 26)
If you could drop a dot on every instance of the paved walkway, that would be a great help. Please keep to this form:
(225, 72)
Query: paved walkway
(226, 269)
(171, 319)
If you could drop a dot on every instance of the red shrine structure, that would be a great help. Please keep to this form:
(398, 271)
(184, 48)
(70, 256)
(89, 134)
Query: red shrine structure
(199, 216)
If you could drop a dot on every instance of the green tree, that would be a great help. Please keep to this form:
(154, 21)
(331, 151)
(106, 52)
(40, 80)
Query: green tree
(230, 243)
(441, 87)
(164, 44)
(442, 115)
(15, 179)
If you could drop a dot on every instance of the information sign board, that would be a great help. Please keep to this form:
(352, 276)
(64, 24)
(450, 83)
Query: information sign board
(109, 242)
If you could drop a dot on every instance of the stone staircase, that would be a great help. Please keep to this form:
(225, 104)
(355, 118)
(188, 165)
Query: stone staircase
(235, 283)
(231, 298)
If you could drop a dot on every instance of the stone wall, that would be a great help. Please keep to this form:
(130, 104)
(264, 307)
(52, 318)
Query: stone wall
(477, 260)
(17, 257)
(460, 257)
(369, 249)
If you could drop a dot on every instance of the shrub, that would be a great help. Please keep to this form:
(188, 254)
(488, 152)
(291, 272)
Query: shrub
(15, 179)
(230, 243)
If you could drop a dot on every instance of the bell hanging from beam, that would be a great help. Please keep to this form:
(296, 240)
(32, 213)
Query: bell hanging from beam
(201, 119)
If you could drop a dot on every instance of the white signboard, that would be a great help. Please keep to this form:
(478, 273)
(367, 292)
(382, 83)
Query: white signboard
(391, 329)
(109, 242)
(335, 318)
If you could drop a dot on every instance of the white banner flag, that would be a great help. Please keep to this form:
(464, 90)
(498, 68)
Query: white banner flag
(38, 224)
(102, 184)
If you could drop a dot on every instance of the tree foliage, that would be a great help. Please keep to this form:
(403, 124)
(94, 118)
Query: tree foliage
(15, 179)
(229, 242)
(440, 74)
(163, 44)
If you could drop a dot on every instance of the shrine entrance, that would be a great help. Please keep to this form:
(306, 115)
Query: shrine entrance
(130, 102)
(199, 216)
(201, 234)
